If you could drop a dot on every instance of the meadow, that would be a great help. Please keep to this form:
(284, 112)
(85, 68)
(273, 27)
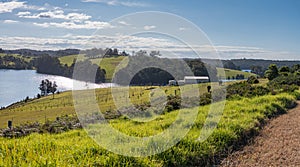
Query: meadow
(109, 63)
(48, 108)
(232, 73)
(242, 118)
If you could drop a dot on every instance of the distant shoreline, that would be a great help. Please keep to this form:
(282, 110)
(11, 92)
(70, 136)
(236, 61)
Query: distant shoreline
(65, 84)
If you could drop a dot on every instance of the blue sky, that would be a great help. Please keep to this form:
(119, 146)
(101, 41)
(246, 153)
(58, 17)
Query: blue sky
(237, 28)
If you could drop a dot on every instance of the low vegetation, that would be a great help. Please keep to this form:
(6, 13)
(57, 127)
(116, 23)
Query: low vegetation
(241, 119)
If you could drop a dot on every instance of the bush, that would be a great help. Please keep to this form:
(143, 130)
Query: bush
(174, 103)
(285, 83)
(252, 80)
(244, 89)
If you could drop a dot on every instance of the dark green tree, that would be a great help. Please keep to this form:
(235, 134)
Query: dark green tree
(272, 72)
(284, 69)
(53, 89)
(257, 70)
(47, 87)
(295, 68)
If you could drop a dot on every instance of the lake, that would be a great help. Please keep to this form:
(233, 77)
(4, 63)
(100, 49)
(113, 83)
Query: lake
(16, 85)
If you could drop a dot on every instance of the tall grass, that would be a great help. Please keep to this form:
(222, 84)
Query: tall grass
(241, 119)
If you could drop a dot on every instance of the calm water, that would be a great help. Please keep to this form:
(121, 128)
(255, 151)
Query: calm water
(15, 85)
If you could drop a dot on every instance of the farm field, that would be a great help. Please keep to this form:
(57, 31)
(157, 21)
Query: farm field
(232, 73)
(109, 63)
(62, 104)
(75, 148)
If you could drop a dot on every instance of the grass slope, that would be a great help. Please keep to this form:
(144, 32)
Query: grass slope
(48, 108)
(241, 119)
(232, 73)
(27, 59)
(109, 64)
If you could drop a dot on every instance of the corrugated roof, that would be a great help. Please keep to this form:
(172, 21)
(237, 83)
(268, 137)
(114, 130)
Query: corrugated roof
(196, 77)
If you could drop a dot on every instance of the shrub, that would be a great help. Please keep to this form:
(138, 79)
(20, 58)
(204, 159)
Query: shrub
(244, 89)
(174, 103)
(252, 80)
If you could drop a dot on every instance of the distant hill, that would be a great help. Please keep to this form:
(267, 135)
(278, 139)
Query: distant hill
(110, 58)
(248, 63)
(36, 53)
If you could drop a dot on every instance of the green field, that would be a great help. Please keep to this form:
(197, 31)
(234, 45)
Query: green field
(230, 73)
(110, 64)
(241, 119)
(27, 59)
(48, 108)
(70, 59)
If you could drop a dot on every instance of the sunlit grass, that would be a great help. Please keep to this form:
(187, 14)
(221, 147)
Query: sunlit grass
(63, 103)
(232, 73)
(75, 148)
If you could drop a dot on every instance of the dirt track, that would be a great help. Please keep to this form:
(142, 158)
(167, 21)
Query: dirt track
(278, 144)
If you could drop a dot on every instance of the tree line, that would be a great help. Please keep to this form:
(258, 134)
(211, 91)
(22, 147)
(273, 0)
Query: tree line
(85, 70)
(12, 62)
(152, 70)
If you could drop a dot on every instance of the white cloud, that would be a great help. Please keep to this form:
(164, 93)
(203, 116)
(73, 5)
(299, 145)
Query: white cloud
(23, 13)
(124, 23)
(119, 3)
(74, 25)
(10, 21)
(55, 14)
(182, 28)
(149, 27)
(7, 7)
(134, 43)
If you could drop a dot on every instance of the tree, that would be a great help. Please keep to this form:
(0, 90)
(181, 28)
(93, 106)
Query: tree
(53, 88)
(47, 87)
(154, 53)
(272, 72)
(295, 68)
(252, 80)
(141, 53)
(43, 88)
(229, 64)
(257, 70)
(115, 52)
(284, 69)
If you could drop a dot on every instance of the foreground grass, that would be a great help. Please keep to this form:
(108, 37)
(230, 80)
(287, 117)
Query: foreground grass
(241, 119)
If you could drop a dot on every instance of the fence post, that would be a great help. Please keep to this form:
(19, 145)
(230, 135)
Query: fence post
(9, 124)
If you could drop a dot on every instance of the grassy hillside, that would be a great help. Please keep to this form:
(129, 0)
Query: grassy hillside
(48, 108)
(27, 59)
(241, 119)
(112, 63)
(69, 59)
(230, 73)
(109, 64)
